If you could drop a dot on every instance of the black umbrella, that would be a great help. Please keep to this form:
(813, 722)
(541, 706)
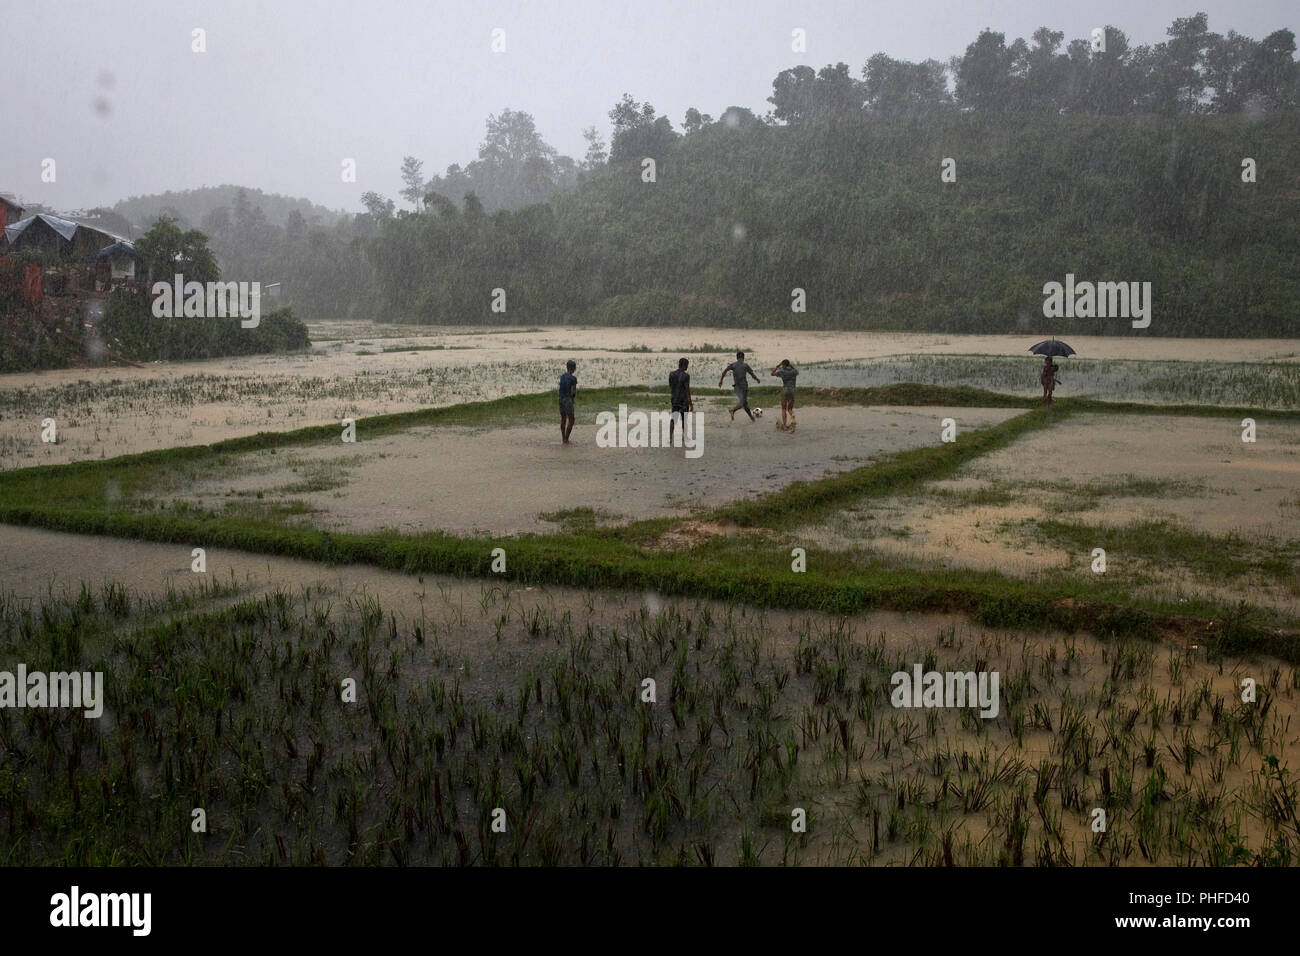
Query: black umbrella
(1052, 347)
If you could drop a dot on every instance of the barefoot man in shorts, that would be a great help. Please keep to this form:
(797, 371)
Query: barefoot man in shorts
(787, 373)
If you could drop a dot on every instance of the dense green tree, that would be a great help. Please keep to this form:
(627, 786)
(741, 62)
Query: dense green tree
(294, 227)
(167, 250)
(895, 88)
(792, 94)
(1047, 73)
(1272, 75)
(987, 75)
(413, 181)
(1176, 77)
(638, 132)
(377, 207)
(597, 154)
(515, 166)
(695, 121)
(800, 95)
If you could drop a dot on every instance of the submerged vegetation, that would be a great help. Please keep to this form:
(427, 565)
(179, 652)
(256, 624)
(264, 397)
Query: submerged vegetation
(509, 730)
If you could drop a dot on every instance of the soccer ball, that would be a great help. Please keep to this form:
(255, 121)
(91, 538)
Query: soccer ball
(758, 413)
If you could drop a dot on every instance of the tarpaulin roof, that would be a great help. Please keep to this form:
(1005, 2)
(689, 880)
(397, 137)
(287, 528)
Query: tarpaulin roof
(119, 248)
(64, 227)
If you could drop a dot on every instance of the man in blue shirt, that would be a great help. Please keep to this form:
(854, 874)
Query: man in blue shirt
(568, 389)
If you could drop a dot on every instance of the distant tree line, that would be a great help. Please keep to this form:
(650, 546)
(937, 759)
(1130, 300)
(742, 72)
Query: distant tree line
(515, 167)
(1194, 71)
(192, 205)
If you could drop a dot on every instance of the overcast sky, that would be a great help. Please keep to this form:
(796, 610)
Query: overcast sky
(288, 89)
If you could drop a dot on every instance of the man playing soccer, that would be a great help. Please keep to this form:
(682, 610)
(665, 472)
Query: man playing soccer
(740, 384)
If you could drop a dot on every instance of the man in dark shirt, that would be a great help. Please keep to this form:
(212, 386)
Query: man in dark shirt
(740, 373)
(679, 388)
(568, 390)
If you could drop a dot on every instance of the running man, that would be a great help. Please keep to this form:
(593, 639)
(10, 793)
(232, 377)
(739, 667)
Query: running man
(787, 373)
(1048, 379)
(568, 391)
(679, 387)
(739, 383)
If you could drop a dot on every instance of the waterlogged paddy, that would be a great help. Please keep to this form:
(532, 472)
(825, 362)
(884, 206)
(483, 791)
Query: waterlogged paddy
(1155, 381)
(1180, 505)
(473, 695)
(505, 481)
(359, 369)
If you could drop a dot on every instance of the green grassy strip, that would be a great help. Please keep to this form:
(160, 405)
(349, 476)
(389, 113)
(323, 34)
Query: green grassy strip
(1193, 411)
(1161, 541)
(804, 501)
(601, 563)
(904, 393)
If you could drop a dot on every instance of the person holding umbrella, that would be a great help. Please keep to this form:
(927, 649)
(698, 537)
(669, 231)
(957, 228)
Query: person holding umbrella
(1047, 377)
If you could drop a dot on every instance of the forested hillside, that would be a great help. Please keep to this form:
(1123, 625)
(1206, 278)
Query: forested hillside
(1119, 165)
(194, 206)
(852, 210)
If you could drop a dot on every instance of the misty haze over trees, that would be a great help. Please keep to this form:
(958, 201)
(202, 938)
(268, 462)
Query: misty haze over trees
(1122, 163)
